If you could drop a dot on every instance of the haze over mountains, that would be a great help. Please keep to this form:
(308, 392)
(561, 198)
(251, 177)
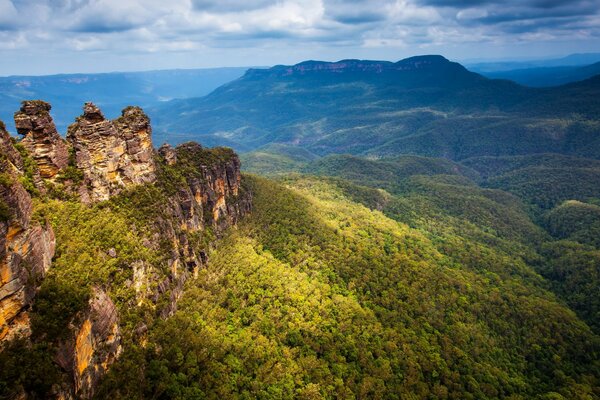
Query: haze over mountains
(112, 91)
(546, 76)
(421, 105)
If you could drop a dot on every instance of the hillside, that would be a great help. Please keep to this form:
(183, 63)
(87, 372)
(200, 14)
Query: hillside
(446, 200)
(544, 180)
(423, 105)
(316, 296)
(166, 273)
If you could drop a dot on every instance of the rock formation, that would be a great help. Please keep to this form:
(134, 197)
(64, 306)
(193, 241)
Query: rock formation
(200, 196)
(94, 345)
(41, 139)
(112, 155)
(138, 164)
(168, 154)
(205, 200)
(211, 198)
(26, 247)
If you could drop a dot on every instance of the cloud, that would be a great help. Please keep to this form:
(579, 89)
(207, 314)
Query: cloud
(8, 16)
(117, 27)
(356, 11)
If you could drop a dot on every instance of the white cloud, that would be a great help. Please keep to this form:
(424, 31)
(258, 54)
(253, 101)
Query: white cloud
(116, 27)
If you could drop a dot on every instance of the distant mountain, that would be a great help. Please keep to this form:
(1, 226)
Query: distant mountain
(111, 91)
(580, 59)
(547, 76)
(423, 105)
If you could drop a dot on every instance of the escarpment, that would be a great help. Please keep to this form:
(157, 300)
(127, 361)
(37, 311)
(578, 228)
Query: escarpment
(26, 247)
(94, 345)
(153, 217)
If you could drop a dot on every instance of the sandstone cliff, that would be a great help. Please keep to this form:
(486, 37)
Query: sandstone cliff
(112, 155)
(41, 139)
(197, 193)
(94, 345)
(26, 247)
(208, 199)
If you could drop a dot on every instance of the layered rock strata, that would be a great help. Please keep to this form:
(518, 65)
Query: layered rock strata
(26, 247)
(112, 154)
(212, 198)
(94, 345)
(40, 138)
(202, 193)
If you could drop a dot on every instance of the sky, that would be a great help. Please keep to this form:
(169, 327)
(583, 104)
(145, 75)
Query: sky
(39, 37)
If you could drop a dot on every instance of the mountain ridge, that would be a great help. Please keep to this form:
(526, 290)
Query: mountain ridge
(355, 106)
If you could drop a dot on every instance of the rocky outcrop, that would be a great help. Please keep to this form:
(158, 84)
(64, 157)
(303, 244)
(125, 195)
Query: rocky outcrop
(26, 247)
(199, 194)
(138, 164)
(211, 198)
(167, 152)
(42, 141)
(112, 155)
(95, 344)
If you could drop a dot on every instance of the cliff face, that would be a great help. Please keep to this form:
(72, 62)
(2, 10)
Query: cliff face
(41, 139)
(209, 197)
(94, 345)
(199, 195)
(26, 247)
(112, 155)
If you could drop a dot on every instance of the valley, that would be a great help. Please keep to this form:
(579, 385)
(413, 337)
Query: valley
(407, 230)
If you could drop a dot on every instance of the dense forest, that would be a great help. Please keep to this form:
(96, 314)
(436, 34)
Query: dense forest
(400, 278)
(385, 241)
(318, 296)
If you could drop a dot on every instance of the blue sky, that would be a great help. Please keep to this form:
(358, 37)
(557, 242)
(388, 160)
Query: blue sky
(53, 36)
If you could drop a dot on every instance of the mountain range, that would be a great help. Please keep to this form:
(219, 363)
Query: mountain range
(547, 76)
(112, 91)
(421, 105)
(407, 230)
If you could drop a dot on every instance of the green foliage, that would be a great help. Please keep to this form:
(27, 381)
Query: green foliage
(576, 221)
(543, 180)
(5, 212)
(29, 170)
(315, 296)
(71, 173)
(85, 238)
(384, 173)
(548, 187)
(489, 166)
(27, 367)
(55, 305)
(574, 271)
(276, 159)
